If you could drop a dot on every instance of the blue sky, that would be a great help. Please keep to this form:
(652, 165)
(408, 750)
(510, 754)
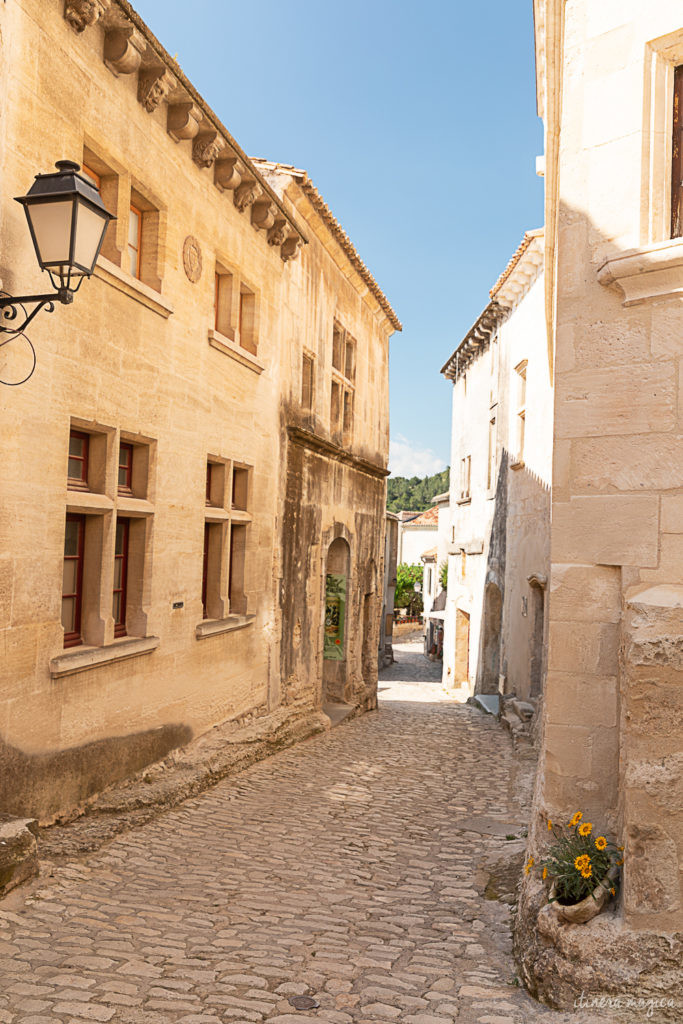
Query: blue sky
(417, 123)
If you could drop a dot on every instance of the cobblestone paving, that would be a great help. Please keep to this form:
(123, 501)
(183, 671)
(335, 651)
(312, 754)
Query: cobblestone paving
(336, 869)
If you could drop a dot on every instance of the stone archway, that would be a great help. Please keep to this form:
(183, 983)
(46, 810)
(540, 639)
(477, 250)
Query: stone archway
(493, 610)
(334, 627)
(536, 640)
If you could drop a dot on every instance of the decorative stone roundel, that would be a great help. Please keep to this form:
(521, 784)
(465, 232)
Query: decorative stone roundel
(192, 259)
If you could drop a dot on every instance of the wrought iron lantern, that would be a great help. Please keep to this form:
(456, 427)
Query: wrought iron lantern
(67, 220)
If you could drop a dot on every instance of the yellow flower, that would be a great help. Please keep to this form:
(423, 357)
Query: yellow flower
(576, 819)
(545, 874)
(587, 872)
(529, 865)
(620, 847)
(550, 824)
(620, 862)
(582, 862)
(613, 891)
(600, 843)
(585, 829)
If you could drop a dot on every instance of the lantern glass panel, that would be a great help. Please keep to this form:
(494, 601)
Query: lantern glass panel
(51, 224)
(90, 226)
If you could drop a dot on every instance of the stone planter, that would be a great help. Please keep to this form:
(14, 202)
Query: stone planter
(588, 908)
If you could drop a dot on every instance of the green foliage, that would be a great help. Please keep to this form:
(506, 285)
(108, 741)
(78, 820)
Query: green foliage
(443, 574)
(415, 494)
(405, 597)
(578, 860)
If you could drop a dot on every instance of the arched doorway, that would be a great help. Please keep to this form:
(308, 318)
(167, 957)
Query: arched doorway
(493, 609)
(334, 627)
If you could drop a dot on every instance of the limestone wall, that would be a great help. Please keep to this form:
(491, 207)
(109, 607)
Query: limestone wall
(145, 361)
(611, 728)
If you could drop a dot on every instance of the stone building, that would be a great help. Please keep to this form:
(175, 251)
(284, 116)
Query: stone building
(610, 92)
(417, 534)
(203, 444)
(499, 516)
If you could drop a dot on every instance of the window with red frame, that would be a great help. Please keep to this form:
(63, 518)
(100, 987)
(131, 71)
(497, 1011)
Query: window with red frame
(77, 471)
(205, 572)
(125, 481)
(72, 579)
(134, 240)
(120, 576)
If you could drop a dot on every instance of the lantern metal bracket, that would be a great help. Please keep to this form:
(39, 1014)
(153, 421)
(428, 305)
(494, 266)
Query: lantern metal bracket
(10, 306)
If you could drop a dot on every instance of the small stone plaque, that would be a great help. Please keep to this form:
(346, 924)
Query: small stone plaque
(304, 1003)
(192, 259)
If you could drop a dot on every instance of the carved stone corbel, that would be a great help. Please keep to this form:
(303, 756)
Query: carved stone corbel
(154, 85)
(289, 250)
(263, 214)
(246, 194)
(277, 233)
(183, 121)
(123, 49)
(206, 148)
(228, 174)
(82, 13)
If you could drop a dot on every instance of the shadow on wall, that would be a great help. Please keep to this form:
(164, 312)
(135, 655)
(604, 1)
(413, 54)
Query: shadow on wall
(518, 545)
(43, 785)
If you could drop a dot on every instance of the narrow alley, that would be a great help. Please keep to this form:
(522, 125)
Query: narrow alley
(342, 870)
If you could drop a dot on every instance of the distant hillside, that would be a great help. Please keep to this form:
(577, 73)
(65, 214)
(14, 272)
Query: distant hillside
(413, 493)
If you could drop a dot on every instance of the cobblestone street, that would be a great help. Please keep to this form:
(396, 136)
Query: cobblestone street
(342, 869)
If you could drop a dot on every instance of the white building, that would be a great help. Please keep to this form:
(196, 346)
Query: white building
(417, 535)
(501, 460)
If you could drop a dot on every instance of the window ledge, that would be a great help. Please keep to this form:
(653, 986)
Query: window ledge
(80, 659)
(134, 507)
(517, 464)
(129, 285)
(652, 272)
(87, 502)
(235, 351)
(464, 501)
(212, 627)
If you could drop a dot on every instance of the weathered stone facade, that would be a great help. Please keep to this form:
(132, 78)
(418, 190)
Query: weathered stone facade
(202, 351)
(612, 723)
(499, 514)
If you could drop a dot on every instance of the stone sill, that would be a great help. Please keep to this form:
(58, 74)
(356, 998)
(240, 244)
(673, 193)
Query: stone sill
(517, 464)
(235, 351)
(136, 508)
(213, 627)
(129, 285)
(88, 502)
(81, 659)
(464, 501)
(653, 272)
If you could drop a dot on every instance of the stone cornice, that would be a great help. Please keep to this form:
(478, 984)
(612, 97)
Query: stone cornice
(313, 442)
(336, 230)
(131, 48)
(476, 340)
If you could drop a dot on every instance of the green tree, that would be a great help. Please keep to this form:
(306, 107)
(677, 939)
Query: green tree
(406, 597)
(415, 494)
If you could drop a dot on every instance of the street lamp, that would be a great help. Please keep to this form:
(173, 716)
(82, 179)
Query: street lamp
(67, 220)
(417, 587)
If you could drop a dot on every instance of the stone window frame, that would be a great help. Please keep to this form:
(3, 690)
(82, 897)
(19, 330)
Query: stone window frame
(465, 480)
(122, 191)
(308, 390)
(518, 413)
(662, 56)
(226, 331)
(226, 547)
(99, 506)
(344, 353)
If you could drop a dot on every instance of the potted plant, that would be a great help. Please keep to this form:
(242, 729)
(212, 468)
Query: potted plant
(583, 870)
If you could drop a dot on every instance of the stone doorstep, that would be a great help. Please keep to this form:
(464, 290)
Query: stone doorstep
(18, 851)
(224, 751)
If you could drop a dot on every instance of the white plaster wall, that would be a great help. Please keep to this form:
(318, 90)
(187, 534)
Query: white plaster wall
(414, 542)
